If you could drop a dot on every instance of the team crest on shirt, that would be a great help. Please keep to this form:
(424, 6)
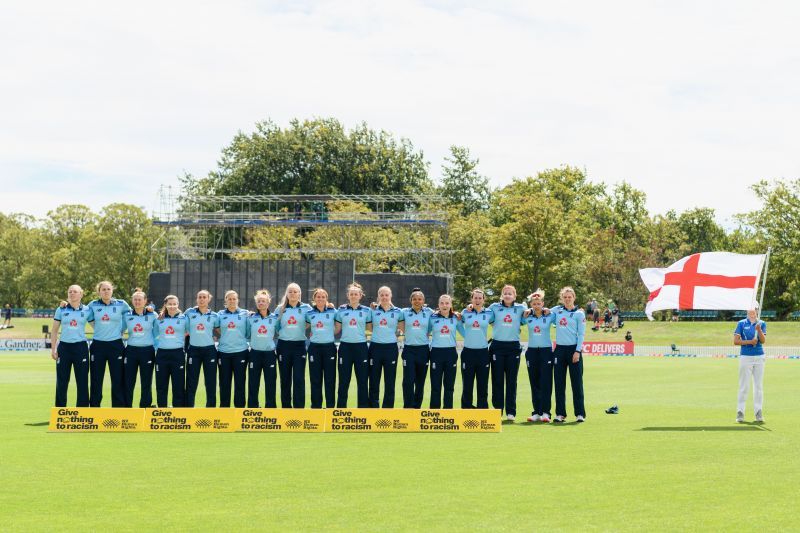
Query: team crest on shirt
(292, 321)
(231, 325)
(105, 318)
(262, 330)
(353, 322)
(415, 324)
(476, 325)
(507, 319)
(320, 325)
(201, 327)
(169, 331)
(445, 330)
(138, 328)
(537, 329)
(563, 321)
(383, 322)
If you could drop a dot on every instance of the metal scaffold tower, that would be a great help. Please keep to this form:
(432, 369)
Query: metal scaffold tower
(409, 229)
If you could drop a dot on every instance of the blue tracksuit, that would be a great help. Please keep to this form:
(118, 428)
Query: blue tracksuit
(383, 354)
(233, 354)
(444, 358)
(322, 356)
(202, 355)
(416, 353)
(505, 351)
(73, 352)
(107, 348)
(140, 355)
(475, 357)
(291, 350)
(262, 358)
(570, 325)
(170, 359)
(539, 358)
(353, 353)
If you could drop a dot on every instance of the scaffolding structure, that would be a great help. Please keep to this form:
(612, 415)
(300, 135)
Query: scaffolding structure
(215, 227)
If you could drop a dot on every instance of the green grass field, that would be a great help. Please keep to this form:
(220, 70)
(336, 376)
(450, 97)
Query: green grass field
(645, 333)
(673, 459)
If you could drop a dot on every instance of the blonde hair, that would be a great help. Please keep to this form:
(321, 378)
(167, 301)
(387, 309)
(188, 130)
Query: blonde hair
(228, 293)
(356, 285)
(564, 291)
(538, 294)
(476, 289)
(262, 292)
(316, 290)
(385, 287)
(138, 290)
(201, 291)
(451, 304)
(285, 298)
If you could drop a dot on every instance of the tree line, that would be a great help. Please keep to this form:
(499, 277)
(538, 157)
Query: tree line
(553, 228)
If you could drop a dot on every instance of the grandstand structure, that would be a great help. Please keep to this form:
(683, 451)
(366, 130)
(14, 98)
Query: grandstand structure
(223, 227)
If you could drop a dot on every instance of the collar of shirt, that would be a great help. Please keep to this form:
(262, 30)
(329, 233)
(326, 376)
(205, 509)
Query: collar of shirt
(69, 306)
(228, 312)
(197, 309)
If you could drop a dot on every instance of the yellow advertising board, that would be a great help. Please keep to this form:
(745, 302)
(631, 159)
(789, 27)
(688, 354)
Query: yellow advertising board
(100, 419)
(371, 420)
(226, 420)
(281, 420)
(190, 419)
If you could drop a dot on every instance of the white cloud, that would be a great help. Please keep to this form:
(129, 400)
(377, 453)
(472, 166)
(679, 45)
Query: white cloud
(690, 101)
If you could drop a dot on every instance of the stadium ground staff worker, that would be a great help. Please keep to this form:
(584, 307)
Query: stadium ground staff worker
(475, 355)
(72, 350)
(203, 325)
(386, 321)
(321, 322)
(262, 329)
(233, 351)
(170, 357)
(751, 334)
(107, 346)
(354, 319)
(539, 357)
(416, 350)
(292, 347)
(444, 357)
(140, 353)
(570, 324)
(505, 350)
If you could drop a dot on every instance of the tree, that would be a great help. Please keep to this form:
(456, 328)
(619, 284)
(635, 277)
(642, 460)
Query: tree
(702, 233)
(470, 237)
(315, 157)
(461, 184)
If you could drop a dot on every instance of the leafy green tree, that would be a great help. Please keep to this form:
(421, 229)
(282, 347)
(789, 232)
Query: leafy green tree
(462, 185)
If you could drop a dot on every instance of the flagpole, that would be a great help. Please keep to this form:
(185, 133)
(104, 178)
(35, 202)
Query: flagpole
(764, 281)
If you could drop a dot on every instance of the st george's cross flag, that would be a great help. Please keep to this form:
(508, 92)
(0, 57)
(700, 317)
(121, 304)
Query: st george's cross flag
(709, 280)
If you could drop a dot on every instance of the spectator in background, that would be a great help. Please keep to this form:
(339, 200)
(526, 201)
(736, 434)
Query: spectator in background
(607, 319)
(6, 317)
(596, 317)
(628, 336)
(614, 319)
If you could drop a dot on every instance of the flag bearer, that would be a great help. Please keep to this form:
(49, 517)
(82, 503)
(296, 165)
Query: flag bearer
(539, 357)
(570, 324)
(505, 351)
(387, 320)
(170, 357)
(203, 324)
(106, 346)
(355, 320)
(292, 347)
(233, 351)
(71, 351)
(416, 349)
(140, 353)
(751, 334)
(322, 326)
(262, 329)
(475, 355)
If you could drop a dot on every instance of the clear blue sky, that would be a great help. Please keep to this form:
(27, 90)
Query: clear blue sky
(690, 101)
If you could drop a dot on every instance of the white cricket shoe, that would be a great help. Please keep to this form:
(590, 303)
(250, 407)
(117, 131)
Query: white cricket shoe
(510, 417)
(534, 418)
(559, 419)
(580, 418)
(739, 417)
(759, 416)
(546, 418)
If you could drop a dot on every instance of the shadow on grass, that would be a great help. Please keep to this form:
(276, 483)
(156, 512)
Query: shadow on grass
(38, 424)
(750, 426)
